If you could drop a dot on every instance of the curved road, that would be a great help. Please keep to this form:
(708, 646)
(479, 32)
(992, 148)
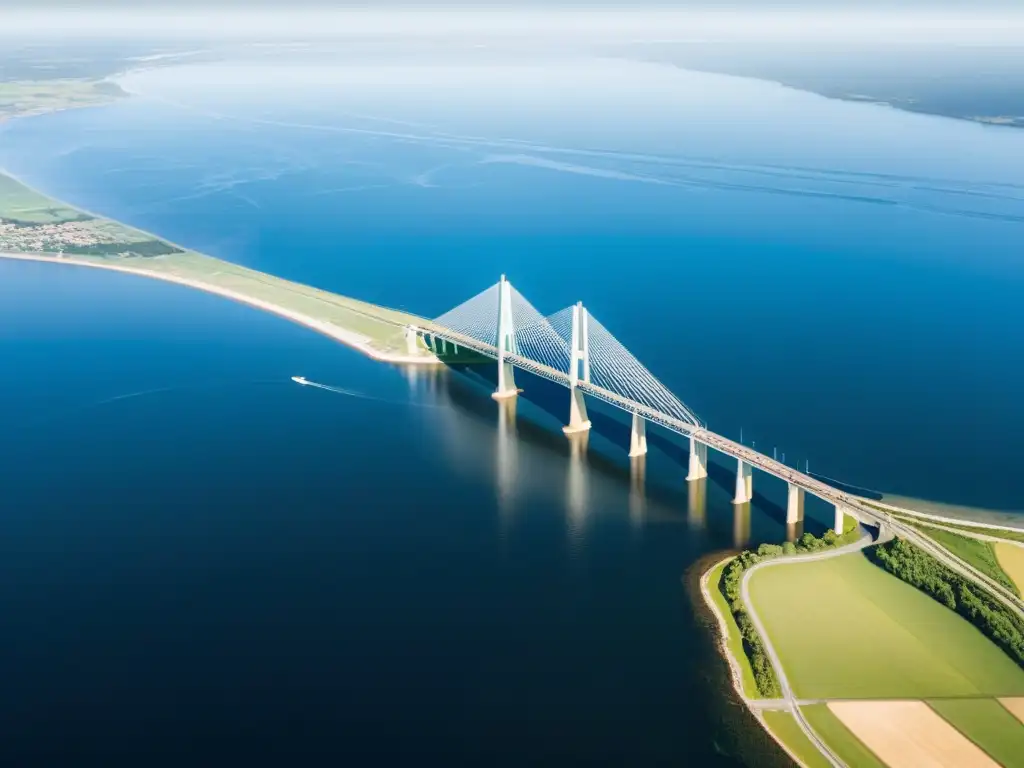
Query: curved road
(748, 605)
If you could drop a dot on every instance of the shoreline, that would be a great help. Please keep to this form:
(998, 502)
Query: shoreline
(735, 675)
(723, 629)
(349, 338)
(360, 342)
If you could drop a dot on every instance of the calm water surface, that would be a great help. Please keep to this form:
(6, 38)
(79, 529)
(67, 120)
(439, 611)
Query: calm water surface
(838, 280)
(204, 561)
(202, 557)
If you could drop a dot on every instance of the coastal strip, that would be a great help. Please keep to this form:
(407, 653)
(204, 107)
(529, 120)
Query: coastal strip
(735, 669)
(35, 226)
(350, 338)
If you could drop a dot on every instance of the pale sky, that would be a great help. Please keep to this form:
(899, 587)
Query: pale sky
(953, 21)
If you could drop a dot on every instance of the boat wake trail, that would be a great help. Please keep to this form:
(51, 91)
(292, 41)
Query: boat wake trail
(337, 390)
(361, 395)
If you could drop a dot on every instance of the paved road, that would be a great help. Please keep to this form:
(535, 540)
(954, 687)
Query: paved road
(969, 534)
(789, 700)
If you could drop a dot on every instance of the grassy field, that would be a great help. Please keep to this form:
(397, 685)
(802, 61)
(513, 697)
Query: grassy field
(999, 533)
(23, 204)
(735, 641)
(848, 747)
(380, 326)
(980, 554)
(988, 724)
(845, 628)
(784, 726)
(1011, 558)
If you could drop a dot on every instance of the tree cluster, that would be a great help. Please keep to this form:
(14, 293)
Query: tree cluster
(971, 601)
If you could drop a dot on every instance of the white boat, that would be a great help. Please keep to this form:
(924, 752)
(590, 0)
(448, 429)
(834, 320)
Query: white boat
(299, 379)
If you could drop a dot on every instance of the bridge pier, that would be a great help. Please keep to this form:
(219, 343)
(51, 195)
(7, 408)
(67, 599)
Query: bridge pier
(506, 382)
(744, 482)
(838, 525)
(578, 421)
(698, 460)
(638, 436)
(795, 504)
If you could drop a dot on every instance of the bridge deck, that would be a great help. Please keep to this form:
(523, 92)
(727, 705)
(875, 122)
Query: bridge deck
(849, 504)
(729, 447)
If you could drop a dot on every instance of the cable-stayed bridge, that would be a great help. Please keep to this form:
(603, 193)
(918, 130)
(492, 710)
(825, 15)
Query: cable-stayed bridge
(572, 348)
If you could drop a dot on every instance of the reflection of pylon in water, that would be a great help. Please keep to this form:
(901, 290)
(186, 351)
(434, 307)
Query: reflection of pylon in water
(741, 525)
(697, 503)
(576, 486)
(637, 490)
(506, 456)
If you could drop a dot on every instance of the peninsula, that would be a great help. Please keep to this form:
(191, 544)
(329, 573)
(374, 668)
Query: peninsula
(38, 228)
(864, 650)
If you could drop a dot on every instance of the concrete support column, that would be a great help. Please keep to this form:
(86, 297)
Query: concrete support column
(578, 421)
(744, 483)
(638, 436)
(838, 525)
(506, 343)
(698, 460)
(506, 382)
(795, 504)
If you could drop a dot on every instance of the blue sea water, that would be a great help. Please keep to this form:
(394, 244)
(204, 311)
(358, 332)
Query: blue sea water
(838, 280)
(205, 562)
(217, 556)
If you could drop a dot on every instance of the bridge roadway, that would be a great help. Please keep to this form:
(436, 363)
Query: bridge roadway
(707, 437)
(851, 505)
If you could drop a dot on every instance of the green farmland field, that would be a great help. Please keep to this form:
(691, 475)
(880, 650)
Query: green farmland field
(988, 724)
(784, 726)
(845, 628)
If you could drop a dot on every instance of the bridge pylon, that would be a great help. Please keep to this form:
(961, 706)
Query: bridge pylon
(838, 525)
(579, 357)
(506, 343)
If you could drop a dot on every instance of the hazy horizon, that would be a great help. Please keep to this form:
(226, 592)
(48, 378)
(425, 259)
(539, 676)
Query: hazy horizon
(992, 23)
